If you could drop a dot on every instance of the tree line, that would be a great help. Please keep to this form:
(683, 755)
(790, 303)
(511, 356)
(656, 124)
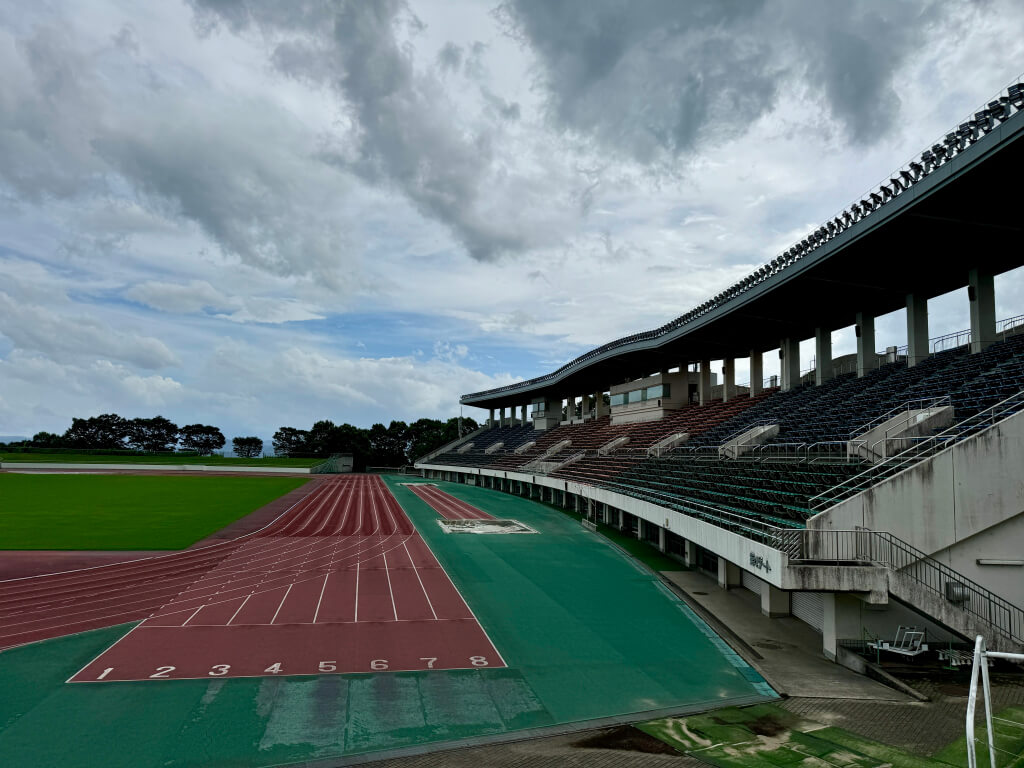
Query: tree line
(396, 444)
(109, 431)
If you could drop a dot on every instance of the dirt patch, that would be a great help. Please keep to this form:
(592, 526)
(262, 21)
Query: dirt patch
(766, 725)
(628, 739)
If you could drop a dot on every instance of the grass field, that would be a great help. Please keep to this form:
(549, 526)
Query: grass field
(125, 511)
(88, 458)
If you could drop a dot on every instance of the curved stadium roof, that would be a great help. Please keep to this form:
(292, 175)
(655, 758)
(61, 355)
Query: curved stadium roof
(946, 202)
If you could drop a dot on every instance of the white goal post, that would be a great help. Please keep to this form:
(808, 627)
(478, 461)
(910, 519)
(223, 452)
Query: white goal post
(980, 665)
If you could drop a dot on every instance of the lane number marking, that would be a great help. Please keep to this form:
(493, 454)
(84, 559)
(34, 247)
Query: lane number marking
(105, 672)
(219, 669)
(274, 668)
(478, 661)
(379, 664)
(328, 666)
(163, 672)
(430, 661)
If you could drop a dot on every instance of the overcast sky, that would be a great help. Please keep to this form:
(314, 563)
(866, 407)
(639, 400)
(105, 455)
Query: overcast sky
(256, 214)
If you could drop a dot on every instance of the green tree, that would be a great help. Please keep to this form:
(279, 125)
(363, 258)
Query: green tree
(107, 430)
(247, 447)
(156, 434)
(201, 438)
(288, 441)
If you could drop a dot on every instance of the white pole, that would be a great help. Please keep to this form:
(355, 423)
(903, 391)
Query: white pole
(972, 698)
(988, 708)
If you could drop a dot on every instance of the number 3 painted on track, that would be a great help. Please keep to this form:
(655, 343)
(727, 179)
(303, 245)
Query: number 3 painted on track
(223, 670)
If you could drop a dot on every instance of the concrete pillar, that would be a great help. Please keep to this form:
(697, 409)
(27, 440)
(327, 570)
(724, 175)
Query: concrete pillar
(490, 419)
(917, 329)
(704, 382)
(690, 553)
(728, 574)
(729, 379)
(774, 601)
(841, 621)
(600, 407)
(526, 414)
(756, 372)
(789, 361)
(622, 520)
(866, 355)
(822, 355)
(661, 539)
(982, 295)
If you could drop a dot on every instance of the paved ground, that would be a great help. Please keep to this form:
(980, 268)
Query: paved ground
(785, 650)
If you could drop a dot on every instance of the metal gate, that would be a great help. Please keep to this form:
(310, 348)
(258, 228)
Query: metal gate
(809, 607)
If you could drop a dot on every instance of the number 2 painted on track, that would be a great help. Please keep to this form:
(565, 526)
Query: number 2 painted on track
(163, 672)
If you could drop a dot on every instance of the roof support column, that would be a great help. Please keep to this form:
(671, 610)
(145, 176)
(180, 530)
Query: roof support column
(525, 407)
(729, 379)
(490, 418)
(866, 355)
(789, 362)
(822, 355)
(704, 382)
(982, 295)
(917, 328)
(600, 407)
(756, 372)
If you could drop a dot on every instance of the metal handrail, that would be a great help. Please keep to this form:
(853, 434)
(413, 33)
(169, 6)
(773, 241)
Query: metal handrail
(766, 532)
(883, 549)
(925, 447)
(923, 402)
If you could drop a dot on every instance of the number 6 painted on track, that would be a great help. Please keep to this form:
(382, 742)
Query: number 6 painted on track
(379, 664)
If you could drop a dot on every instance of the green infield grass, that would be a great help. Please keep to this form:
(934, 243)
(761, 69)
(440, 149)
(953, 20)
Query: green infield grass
(126, 511)
(90, 458)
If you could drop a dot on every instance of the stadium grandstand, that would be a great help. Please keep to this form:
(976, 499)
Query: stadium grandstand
(860, 494)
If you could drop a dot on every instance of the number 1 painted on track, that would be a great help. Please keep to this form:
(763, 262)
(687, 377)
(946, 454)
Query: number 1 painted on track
(105, 672)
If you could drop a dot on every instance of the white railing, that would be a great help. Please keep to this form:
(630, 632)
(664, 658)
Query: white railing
(921, 449)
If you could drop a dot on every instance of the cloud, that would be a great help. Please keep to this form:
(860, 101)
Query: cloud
(66, 338)
(664, 77)
(199, 297)
(405, 129)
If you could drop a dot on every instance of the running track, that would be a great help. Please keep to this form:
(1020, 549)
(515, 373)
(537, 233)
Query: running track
(340, 583)
(447, 505)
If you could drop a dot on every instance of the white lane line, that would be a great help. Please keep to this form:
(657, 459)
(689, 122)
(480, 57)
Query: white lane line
(239, 609)
(356, 613)
(186, 621)
(387, 572)
(322, 590)
(417, 572)
(282, 602)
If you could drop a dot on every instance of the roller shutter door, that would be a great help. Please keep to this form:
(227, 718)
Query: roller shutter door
(751, 582)
(810, 608)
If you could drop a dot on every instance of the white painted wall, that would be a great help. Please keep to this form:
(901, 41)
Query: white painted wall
(964, 503)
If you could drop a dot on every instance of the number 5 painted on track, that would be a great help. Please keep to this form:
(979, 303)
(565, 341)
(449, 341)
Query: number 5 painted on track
(328, 666)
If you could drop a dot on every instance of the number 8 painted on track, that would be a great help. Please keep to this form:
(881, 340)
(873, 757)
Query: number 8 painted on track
(478, 661)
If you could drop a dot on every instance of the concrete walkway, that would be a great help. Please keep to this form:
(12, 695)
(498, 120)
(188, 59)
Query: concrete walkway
(786, 651)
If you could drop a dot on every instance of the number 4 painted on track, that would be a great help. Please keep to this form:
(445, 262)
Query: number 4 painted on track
(273, 668)
(430, 661)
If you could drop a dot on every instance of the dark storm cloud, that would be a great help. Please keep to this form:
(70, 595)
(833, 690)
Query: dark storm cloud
(663, 75)
(406, 133)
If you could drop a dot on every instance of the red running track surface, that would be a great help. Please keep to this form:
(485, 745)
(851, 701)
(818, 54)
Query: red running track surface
(340, 583)
(446, 505)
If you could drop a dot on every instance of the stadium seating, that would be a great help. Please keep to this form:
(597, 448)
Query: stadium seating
(774, 484)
